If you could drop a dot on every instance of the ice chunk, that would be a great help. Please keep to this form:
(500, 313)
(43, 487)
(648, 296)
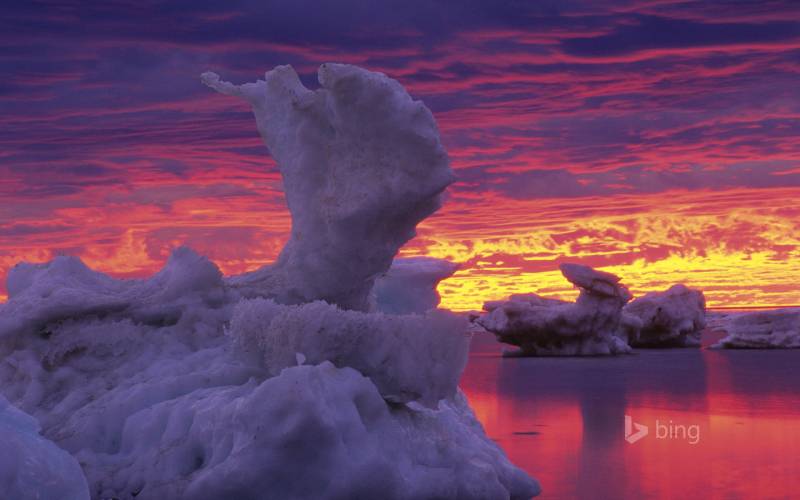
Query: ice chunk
(409, 286)
(408, 358)
(138, 380)
(168, 409)
(361, 163)
(154, 412)
(594, 325)
(65, 289)
(311, 432)
(675, 317)
(31, 467)
(776, 329)
(594, 282)
(41, 293)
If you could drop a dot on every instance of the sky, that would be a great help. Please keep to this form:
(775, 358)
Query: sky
(656, 139)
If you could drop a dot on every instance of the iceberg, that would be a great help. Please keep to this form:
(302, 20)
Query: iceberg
(776, 329)
(593, 325)
(673, 318)
(281, 383)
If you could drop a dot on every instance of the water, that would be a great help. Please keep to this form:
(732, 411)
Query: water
(562, 420)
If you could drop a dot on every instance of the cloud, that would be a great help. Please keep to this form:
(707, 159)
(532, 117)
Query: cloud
(654, 32)
(567, 123)
(534, 184)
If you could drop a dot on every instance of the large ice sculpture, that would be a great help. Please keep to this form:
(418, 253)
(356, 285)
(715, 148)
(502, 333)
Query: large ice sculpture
(777, 329)
(361, 163)
(673, 318)
(594, 325)
(182, 386)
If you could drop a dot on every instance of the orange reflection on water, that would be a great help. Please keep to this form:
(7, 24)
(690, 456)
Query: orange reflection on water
(517, 429)
(562, 420)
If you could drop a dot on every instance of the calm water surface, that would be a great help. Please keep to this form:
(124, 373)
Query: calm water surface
(562, 420)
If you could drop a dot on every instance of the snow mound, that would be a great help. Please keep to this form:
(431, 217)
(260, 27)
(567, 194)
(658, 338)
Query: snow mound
(313, 432)
(409, 286)
(408, 358)
(319, 432)
(31, 467)
(65, 288)
(777, 329)
(593, 325)
(211, 403)
(675, 317)
(361, 163)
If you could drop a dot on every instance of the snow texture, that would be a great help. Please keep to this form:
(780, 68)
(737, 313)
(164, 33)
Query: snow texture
(184, 386)
(673, 318)
(202, 399)
(594, 325)
(361, 163)
(43, 294)
(408, 358)
(776, 329)
(31, 467)
(409, 286)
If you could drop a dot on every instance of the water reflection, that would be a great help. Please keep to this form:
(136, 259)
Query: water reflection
(563, 419)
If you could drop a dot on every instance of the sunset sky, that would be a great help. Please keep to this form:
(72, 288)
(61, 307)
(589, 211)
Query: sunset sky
(659, 140)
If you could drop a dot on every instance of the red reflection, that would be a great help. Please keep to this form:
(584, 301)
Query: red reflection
(714, 429)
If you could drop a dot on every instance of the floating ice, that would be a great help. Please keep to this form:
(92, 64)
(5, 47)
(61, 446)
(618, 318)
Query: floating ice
(675, 317)
(777, 329)
(361, 163)
(177, 387)
(594, 325)
(31, 467)
(409, 286)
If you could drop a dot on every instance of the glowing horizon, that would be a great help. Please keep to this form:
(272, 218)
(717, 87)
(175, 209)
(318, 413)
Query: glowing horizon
(655, 140)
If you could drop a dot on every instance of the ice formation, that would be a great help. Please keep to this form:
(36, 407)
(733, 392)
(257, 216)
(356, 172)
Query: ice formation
(408, 358)
(187, 392)
(409, 286)
(54, 292)
(594, 325)
(675, 317)
(777, 329)
(31, 467)
(185, 386)
(361, 163)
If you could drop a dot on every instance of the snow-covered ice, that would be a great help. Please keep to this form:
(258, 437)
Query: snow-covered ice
(190, 385)
(408, 358)
(775, 329)
(593, 325)
(195, 396)
(31, 467)
(409, 286)
(361, 163)
(64, 288)
(675, 317)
